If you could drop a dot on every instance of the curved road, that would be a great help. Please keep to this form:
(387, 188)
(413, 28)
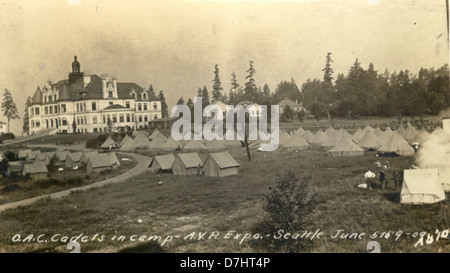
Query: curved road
(141, 167)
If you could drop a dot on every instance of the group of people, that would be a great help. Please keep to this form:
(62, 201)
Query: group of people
(382, 170)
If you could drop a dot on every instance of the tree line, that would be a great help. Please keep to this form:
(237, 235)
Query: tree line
(361, 92)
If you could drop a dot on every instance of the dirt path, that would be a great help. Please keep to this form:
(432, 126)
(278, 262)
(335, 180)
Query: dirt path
(141, 167)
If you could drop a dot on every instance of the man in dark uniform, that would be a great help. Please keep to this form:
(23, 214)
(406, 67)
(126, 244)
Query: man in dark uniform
(383, 178)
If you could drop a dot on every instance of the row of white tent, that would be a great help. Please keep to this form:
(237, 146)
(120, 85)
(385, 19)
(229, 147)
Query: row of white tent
(157, 141)
(94, 161)
(218, 164)
(341, 143)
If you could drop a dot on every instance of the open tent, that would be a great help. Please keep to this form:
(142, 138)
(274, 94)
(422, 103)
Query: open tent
(295, 143)
(187, 164)
(109, 144)
(421, 186)
(161, 163)
(345, 147)
(396, 144)
(220, 164)
(370, 142)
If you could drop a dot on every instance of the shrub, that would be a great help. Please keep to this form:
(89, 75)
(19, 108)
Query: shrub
(288, 208)
(6, 136)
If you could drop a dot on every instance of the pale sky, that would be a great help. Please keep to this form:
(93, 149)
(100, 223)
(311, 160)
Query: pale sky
(175, 44)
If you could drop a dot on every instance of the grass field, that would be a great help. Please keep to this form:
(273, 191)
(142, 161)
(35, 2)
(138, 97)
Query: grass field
(182, 205)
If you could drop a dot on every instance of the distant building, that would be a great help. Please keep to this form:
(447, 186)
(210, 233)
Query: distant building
(91, 103)
(294, 105)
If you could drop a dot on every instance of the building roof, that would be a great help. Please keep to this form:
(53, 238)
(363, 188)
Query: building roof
(190, 160)
(37, 97)
(224, 160)
(288, 102)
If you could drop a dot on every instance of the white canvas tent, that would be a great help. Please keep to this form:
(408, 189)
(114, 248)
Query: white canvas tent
(187, 164)
(193, 145)
(421, 186)
(142, 141)
(220, 164)
(171, 145)
(345, 147)
(396, 144)
(319, 138)
(357, 135)
(129, 144)
(109, 144)
(161, 163)
(215, 145)
(296, 143)
(370, 142)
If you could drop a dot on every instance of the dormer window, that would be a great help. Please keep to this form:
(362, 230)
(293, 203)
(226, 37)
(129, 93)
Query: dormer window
(110, 94)
(144, 96)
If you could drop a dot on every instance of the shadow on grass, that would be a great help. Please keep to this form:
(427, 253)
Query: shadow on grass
(392, 196)
(151, 247)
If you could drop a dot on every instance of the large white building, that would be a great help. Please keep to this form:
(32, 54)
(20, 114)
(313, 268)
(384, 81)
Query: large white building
(89, 103)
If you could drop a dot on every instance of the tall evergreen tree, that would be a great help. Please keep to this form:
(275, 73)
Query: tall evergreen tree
(205, 97)
(217, 88)
(233, 89)
(26, 118)
(9, 107)
(164, 107)
(250, 86)
(180, 101)
(328, 71)
(151, 92)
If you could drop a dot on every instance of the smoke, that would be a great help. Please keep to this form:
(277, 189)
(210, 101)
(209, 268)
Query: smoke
(434, 152)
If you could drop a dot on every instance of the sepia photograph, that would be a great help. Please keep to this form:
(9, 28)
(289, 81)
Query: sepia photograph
(224, 126)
